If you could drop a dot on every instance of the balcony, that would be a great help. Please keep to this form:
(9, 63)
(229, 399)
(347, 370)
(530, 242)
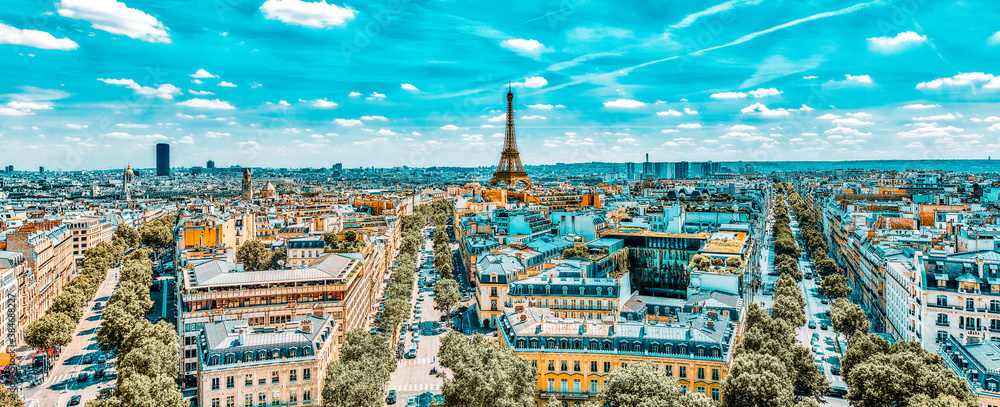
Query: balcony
(941, 323)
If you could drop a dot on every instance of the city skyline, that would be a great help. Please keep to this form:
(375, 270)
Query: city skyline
(288, 83)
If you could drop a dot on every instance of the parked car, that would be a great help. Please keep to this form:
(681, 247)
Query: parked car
(102, 359)
(392, 397)
(99, 374)
(812, 324)
(88, 359)
(74, 400)
(823, 327)
(97, 305)
(825, 301)
(82, 377)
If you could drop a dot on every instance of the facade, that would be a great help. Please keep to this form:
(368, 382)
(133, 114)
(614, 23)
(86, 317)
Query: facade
(302, 250)
(162, 160)
(256, 367)
(11, 270)
(574, 357)
(48, 254)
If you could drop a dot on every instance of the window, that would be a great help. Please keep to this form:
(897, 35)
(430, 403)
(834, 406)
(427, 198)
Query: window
(262, 380)
(261, 400)
(493, 291)
(230, 382)
(942, 301)
(293, 375)
(715, 394)
(552, 385)
(275, 398)
(562, 365)
(593, 366)
(593, 386)
(576, 365)
(942, 319)
(994, 305)
(231, 401)
(576, 385)
(248, 400)
(970, 304)
(701, 390)
(275, 377)
(607, 367)
(306, 374)
(552, 365)
(248, 381)
(715, 374)
(682, 372)
(293, 396)
(215, 383)
(669, 369)
(942, 336)
(701, 373)
(562, 385)
(215, 402)
(306, 395)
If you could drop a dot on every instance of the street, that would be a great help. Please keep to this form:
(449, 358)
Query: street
(61, 383)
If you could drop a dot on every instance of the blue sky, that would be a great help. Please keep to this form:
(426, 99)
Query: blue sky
(93, 84)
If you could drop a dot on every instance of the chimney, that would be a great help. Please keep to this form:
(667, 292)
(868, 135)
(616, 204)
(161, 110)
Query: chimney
(305, 326)
(524, 317)
(979, 265)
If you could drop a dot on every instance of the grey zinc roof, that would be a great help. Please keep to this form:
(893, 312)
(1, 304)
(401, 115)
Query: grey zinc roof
(225, 337)
(218, 273)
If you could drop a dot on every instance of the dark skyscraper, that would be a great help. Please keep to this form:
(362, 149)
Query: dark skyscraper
(210, 164)
(162, 159)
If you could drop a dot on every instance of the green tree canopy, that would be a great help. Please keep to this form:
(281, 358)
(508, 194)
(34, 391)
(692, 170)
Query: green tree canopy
(849, 318)
(640, 384)
(484, 375)
(51, 330)
(446, 295)
(254, 255)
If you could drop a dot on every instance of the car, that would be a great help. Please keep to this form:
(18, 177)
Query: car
(102, 359)
(74, 400)
(88, 359)
(99, 374)
(97, 305)
(835, 370)
(412, 402)
(824, 327)
(824, 301)
(391, 399)
(82, 377)
(412, 354)
(421, 298)
(812, 324)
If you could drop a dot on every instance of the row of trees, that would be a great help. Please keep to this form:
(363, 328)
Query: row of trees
(147, 353)
(55, 328)
(358, 377)
(446, 290)
(834, 279)
(396, 306)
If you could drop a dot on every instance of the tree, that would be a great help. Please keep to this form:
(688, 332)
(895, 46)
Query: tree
(68, 303)
(8, 399)
(446, 295)
(835, 286)
(786, 245)
(52, 330)
(640, 384)
(484, 375)
(356, 383)
(278, 257)
(787, 309)
(396, 309)
(757, 380)
(254, 255)
(351, 236)
(905, 374)
(128, 234)
(695, 399)
(849, 318)
(144, 391)
(808, 382)
(152, 359)
(577, 250)
(157, 236)
(554, 402)
(330, 238)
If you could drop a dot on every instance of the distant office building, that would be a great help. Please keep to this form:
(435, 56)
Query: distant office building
(337, 169)
(10, 169)
(210, 164)
(162, 159)
(41, 170)
(716, 168)
(681, 170)
(630, 171)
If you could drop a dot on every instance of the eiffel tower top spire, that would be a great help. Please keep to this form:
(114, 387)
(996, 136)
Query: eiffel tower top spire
(509, 170)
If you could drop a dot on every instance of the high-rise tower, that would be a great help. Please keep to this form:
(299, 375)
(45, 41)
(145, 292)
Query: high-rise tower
(510, 171)
(162, 159)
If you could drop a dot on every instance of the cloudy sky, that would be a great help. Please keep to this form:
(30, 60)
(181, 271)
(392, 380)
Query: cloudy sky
(94, 84)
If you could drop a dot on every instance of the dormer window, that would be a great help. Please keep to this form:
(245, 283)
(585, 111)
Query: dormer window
(531, 289)
(565, 290)
(548, 289)
(581, 290)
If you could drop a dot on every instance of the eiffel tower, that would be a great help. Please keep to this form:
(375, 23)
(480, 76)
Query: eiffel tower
(510, 171)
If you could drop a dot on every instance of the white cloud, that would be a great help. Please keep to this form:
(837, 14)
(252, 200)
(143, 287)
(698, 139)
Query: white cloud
(116, 18)
(669, 112)
(206, 104)
(375, 95)
(34, 39)
(385, 132)
(846, 130)
(967, 79)
(742, 127)
(164, 91)
(809, 77)
(668, 131)
(994, 39)
(689, 126)
(624, 104)
(197, 81)
(947, 116)
(283, 103)
(759, 93)
(323, 104)
(995, 127)
(860, 115)
(988, 119)
(451, 127)
(407, 86)
(499, 118)
(829, 116)
(532, 82)
(863, 79)
(728, 95)
(544, 106)
(920, 106)
(524, 47)
(533, 117)
(889, 45)
(372, 142)
(309, 14)
(225, 84)
(931, 130)
(132, 126)
(690, 111)
(213, 134)
(76, 126)
(763, 111)
(348, 122)
(354, 94)
(201, 73)
(186, 140)
(200, 92)
(127, 136)
(376, 118)
(851, 121)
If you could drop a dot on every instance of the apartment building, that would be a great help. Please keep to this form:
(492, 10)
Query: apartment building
(48, 254)
(11, 272)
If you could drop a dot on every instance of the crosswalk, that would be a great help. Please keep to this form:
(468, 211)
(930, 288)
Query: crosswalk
(416, 362)
(60, 378)
(402, 388)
